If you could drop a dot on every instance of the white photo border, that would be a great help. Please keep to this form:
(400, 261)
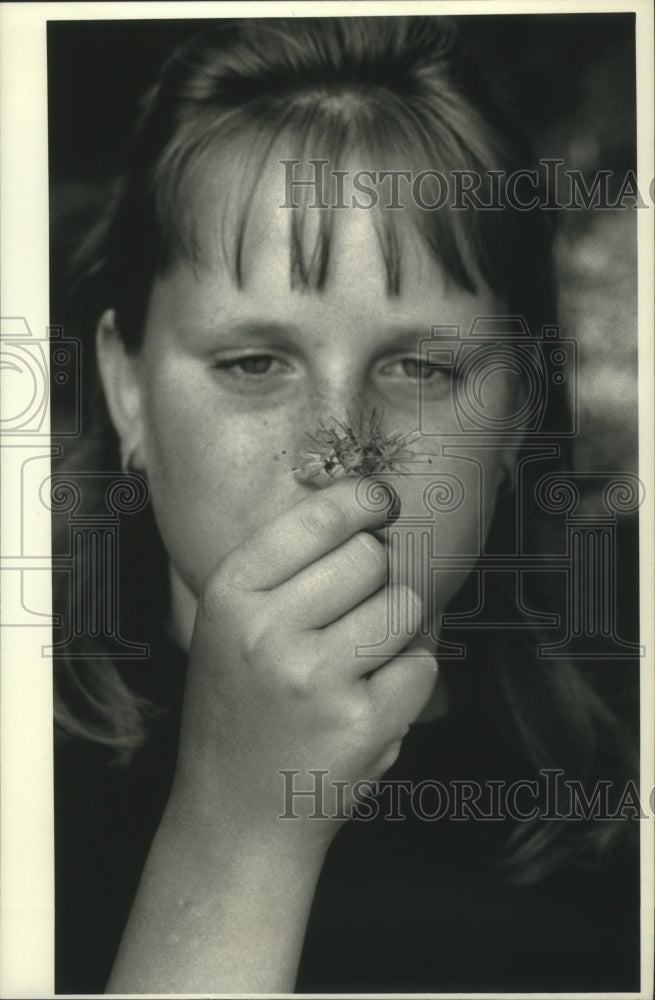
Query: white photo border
(27, 925)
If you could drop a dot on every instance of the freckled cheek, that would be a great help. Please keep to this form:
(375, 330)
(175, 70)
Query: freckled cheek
(212, 488)
(190, 434)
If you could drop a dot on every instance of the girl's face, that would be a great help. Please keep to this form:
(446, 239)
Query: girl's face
(229, 380)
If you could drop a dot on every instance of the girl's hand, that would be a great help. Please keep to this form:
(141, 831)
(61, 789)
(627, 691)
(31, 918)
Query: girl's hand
(275, 681)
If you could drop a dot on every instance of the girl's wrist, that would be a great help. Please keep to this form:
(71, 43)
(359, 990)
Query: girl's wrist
(213, 831)
(220, 906)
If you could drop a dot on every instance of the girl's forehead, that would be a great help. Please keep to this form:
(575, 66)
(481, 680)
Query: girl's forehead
(353, 307)
(284, 210)
(236, 213)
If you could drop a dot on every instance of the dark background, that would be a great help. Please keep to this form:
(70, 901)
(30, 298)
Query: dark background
(572, 77)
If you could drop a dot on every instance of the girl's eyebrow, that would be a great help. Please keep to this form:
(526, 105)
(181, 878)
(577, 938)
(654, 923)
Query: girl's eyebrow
(260, 328)
(411, 333)
(247, 328)
(256, 328)
(395, 335)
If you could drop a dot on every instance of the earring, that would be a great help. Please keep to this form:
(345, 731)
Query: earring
(127, 459)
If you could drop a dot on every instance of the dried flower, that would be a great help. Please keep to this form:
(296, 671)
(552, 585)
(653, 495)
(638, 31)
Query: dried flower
(358, 446)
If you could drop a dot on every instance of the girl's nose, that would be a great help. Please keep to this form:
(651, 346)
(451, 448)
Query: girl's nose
(337, 391)
(333, 406)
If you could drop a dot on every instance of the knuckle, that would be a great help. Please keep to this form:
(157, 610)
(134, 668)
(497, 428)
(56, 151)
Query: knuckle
(233, 569)
(298, 685)
(423, 683)
(217, 592)
(356, 715)
(321, 516)
(257, 649)
(422, 657)
(390, 755)
(430, 665)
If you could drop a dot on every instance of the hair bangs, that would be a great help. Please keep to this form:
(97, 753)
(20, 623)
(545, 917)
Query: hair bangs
(321, 135)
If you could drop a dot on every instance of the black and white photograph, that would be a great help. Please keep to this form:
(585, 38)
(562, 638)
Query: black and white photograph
(328, 501)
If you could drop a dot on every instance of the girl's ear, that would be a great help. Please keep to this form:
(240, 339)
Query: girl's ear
(120, 383)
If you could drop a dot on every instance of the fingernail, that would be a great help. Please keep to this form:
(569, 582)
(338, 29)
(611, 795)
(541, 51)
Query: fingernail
(394, 508)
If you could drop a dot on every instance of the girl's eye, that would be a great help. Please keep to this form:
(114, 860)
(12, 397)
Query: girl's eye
(414, 368)
(251, 366)
(411, 373)
(418, 370)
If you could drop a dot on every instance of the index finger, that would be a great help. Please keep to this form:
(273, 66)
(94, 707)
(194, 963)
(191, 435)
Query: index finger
(309, 530)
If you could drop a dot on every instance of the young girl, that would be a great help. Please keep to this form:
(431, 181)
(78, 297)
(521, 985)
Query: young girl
(276, 264)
